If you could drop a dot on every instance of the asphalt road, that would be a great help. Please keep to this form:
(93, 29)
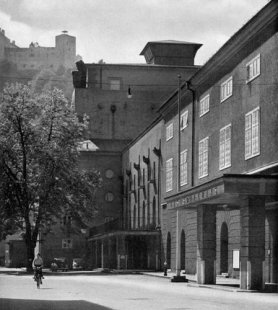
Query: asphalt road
(123, 292)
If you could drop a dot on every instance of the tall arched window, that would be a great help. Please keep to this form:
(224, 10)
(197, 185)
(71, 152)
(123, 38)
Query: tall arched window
(134, 217)
(144, 215)
(154, 211)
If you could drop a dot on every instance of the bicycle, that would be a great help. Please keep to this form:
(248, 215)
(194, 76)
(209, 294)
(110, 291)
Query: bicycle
(38, 276)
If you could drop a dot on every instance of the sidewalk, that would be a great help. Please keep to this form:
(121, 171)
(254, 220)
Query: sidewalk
(226, 284)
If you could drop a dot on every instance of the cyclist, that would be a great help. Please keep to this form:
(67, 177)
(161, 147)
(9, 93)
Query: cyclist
(37, 265)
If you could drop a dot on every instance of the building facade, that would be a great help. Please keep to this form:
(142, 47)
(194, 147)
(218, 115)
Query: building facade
(219, 182)
(199, 178)
(121, 100)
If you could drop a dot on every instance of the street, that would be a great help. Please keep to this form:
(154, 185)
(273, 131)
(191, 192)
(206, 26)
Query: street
(123, 292)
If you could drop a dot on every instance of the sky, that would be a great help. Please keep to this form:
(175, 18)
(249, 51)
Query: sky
(118, 30)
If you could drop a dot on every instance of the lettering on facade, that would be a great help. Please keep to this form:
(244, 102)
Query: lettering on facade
(199, 197)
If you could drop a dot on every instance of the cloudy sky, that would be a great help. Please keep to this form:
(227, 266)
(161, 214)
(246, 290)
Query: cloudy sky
(117, 30)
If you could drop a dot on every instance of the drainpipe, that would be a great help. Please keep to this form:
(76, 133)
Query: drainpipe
(188, 87)
(113, 110)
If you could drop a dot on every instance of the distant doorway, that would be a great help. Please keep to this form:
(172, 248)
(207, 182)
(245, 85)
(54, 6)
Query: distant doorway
(168, 254)
(224, 248)
(182, 250)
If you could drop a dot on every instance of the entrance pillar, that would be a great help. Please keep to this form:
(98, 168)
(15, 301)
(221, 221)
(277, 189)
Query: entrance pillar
(252, 242)
(206, 244)
(271, 238)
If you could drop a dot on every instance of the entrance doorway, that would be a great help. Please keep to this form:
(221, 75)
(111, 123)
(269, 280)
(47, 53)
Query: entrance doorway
(224, 248)
(168, 254)
(137, 252)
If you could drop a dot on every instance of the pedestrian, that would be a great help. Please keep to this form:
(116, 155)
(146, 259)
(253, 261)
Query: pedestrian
(37, 265)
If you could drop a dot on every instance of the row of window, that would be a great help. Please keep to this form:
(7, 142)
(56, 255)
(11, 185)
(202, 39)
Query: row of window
(183, 125)
(252, 148)
(253, 69)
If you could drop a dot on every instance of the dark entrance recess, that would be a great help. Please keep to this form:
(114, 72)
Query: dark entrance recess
(137, 252)
(168, 254)
(224, 248)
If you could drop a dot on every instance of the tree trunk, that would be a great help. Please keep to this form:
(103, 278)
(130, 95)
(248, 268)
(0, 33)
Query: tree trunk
(30, 254)
(30, 247)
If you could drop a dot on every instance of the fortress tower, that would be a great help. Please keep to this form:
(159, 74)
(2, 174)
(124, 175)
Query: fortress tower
(66, 49)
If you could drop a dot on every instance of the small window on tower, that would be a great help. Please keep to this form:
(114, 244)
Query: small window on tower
(115, 84)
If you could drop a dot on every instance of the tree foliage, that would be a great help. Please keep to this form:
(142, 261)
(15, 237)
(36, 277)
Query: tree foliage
(40, 178)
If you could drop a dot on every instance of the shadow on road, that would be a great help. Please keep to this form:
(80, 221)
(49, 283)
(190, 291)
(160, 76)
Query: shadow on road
(24, 304)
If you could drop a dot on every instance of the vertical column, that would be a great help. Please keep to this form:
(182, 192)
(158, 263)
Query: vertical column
(252, 242)
(271, 250)
(102, 254)
(105, 253)
(121, 253)
(96, 254)
(206, 244)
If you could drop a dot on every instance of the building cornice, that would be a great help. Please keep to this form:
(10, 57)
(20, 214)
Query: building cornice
(144, 66)
(255, 32)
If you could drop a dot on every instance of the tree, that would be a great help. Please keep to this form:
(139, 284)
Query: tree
(40, 177)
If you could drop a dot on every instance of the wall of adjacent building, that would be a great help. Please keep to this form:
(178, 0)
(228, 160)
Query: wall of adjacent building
(112, 114)
(135, 198)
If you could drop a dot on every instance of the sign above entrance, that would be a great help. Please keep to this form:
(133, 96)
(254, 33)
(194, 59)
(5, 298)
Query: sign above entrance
(201, 196)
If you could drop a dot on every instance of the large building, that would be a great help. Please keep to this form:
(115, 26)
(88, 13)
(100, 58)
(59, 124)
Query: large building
(121, 100)
(216, 140)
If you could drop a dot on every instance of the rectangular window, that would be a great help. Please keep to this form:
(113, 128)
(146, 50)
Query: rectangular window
(115, 84)
(169, 132)
(252, 133)
(253, 68)
(225, 147)
(169, 174)
(184, 120)
(183, 168)
(203, 158)
(67, 244)
(226, 89)
(204, 105)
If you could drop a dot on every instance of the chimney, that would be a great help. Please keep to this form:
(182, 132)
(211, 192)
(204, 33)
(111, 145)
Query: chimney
(169, 52)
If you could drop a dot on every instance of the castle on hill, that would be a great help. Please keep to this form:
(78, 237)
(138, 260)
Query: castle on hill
(36, 57)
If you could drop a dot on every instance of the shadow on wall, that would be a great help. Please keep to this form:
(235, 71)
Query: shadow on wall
(23, 304)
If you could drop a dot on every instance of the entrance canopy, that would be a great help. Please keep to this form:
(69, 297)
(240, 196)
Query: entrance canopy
(227, 190)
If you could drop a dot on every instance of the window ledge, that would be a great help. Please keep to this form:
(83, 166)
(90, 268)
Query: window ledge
(252, 79)
(252, 156)
(225, 98)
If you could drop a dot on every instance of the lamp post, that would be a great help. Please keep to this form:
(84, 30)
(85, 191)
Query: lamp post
(178, 277)
(178, 263)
